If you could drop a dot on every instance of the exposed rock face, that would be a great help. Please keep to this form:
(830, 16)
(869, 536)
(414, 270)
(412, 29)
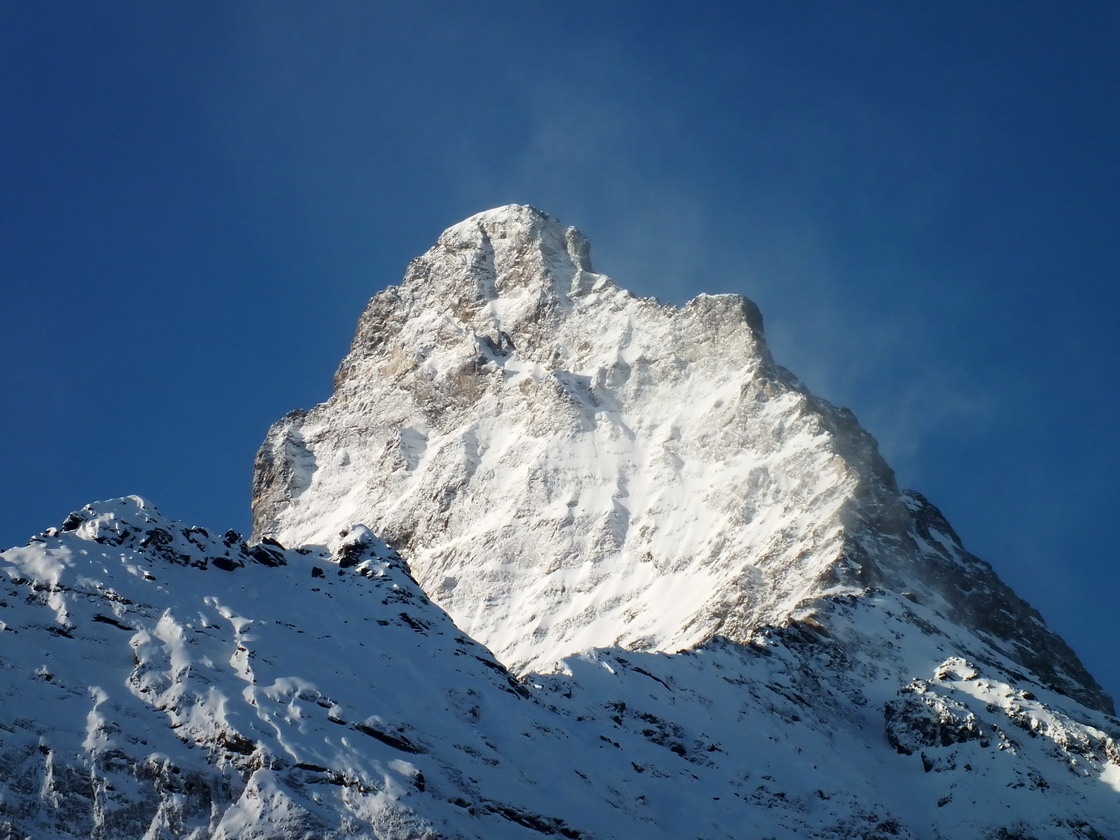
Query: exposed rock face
(567, 466)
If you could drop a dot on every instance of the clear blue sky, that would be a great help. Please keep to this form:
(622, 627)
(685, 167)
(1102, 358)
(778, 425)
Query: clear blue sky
(198, 199)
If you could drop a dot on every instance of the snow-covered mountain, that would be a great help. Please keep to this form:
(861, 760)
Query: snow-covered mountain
(567, 466)
(712, 612)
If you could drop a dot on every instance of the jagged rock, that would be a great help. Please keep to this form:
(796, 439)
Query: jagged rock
(920, 719)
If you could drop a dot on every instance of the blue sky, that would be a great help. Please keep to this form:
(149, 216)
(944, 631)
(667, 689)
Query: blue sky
(922, 198)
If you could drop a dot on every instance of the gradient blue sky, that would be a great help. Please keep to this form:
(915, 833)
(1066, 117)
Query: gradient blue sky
(199, 198)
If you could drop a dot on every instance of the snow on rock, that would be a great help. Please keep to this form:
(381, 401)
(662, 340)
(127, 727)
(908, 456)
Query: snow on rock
(567, 466)
(160, 681)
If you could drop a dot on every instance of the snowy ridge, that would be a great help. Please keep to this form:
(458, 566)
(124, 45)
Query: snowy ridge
(161, 682)
(566, 466)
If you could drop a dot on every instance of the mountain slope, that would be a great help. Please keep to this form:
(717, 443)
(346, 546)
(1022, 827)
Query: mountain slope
(162, 682)
(567, 466)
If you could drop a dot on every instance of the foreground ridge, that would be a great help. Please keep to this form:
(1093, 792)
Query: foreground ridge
(162, 681)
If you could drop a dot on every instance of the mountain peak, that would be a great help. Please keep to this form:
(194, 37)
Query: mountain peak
(521, 224)
(508, 218)
(566, 466)
(498, 254)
